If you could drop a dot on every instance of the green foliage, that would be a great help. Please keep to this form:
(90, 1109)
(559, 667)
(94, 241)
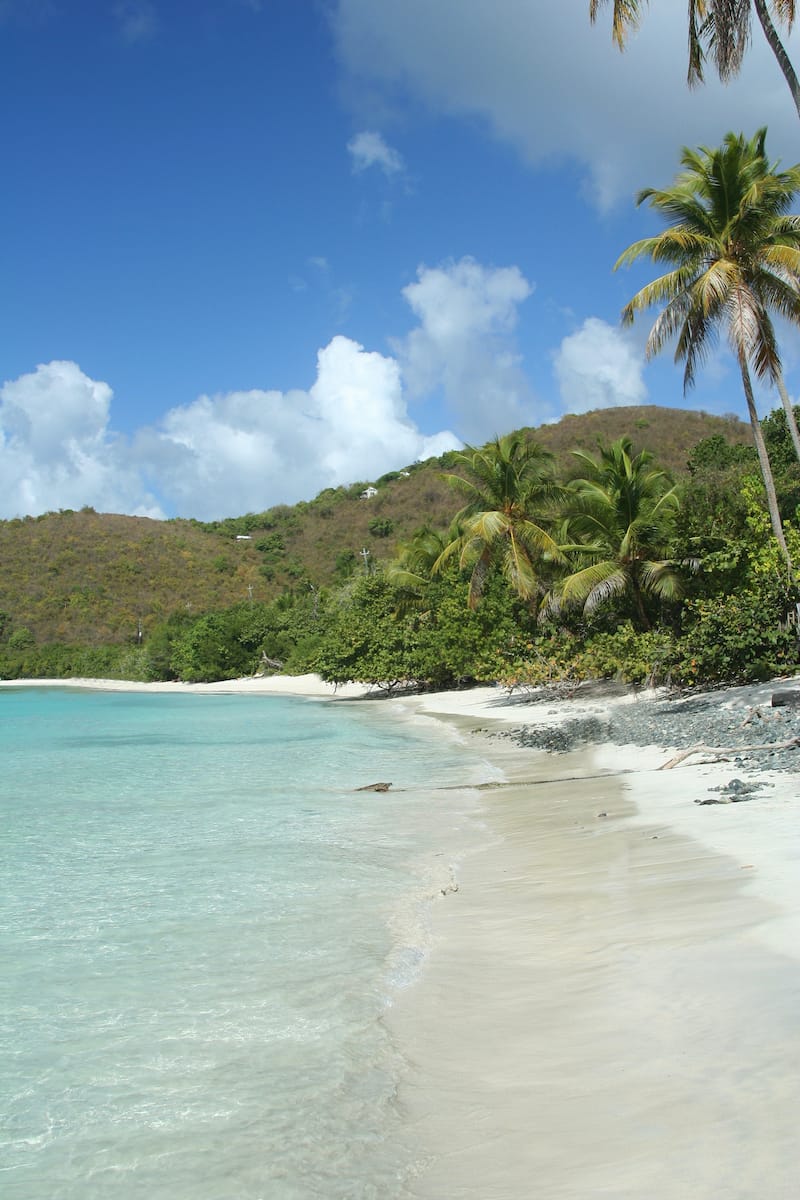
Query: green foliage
(345, 565)
(20, 639)
(62, 661)
(186, 584)
(617, 524)
(743, 634)
(273, 546)
(627, 655)
(785, 466)
(222, 645)
(510, 491)
(712, 505)
(736, 638)
(363, 640)
(452, 644)
(734, 257)
(369, 638)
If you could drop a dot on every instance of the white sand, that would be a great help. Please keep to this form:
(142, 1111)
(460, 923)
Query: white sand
(610, 1009)
(266, 685)
(610, 1005)
(762, 835)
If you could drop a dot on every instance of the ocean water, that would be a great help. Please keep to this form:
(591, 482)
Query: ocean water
(202, 924)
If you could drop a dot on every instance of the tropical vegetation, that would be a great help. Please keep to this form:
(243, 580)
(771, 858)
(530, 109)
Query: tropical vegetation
(719, 30)
(735, 257)
(633, 572)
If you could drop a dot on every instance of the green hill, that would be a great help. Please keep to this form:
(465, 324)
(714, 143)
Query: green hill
(93, 578)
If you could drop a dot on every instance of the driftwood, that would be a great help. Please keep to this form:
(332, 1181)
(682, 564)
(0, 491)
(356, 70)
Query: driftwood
(727, 751)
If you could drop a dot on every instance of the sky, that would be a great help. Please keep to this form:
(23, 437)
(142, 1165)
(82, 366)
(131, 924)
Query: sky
(252, 249)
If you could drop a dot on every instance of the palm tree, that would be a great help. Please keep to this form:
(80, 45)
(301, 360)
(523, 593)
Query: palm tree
(411, 570)
(617, 524)
(720, 29)
(736, 258)
(509, 487)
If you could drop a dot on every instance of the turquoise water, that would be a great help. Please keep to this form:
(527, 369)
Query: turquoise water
(202, 923)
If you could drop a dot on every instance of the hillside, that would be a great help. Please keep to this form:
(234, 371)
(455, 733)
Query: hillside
(96, 578)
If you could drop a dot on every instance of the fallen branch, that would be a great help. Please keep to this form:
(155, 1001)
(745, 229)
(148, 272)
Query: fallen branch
(726, 751)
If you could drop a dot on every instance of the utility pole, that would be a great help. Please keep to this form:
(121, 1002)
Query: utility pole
(365, 555)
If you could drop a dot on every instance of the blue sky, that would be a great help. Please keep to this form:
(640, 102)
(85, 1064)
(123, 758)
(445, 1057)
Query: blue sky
(255, 248)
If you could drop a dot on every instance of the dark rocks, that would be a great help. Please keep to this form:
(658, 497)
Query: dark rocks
(571, 735)
(734, 717)
(731, 793)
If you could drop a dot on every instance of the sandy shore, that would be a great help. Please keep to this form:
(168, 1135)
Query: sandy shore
(610, 1004)
(610, 1009)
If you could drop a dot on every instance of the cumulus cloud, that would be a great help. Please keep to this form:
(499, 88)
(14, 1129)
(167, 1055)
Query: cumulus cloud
(56, 449)
(623, 116)
(598, 366)
(464, 344)
(368, 149)
(242, 451)
(218, 456)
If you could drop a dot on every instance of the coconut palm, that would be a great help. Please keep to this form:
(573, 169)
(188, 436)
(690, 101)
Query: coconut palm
(411, 570)
(719, 29)
(736, 259)
(510, 489)
(618, 519)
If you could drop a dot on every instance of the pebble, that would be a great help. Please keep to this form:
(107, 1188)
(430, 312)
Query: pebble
(679, 722)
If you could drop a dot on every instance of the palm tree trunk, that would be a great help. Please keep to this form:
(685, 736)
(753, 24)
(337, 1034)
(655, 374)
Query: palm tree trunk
(763, 458)
(790, 418)
(639, 601)
(777, 48)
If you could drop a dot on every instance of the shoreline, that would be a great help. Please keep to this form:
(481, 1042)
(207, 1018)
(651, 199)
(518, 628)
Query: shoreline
(760, 836)
(608, 1006)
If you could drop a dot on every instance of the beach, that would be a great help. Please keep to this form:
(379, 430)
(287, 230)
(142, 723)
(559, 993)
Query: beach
(608, 1005)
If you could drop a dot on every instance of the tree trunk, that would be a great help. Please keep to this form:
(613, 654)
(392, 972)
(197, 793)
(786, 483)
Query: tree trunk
(638, 598)
(777, 48)
(790, 418)
(763, 458)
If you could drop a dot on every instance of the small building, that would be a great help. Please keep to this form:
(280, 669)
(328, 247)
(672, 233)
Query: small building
(368, 493)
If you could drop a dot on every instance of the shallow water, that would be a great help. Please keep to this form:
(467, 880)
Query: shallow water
(202, 923)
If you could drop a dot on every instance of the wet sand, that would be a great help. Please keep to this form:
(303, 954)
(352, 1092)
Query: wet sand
(604, 1012)
(609, 1006)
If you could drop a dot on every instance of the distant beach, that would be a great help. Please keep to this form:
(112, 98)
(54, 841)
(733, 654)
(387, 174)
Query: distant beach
(609, 1005)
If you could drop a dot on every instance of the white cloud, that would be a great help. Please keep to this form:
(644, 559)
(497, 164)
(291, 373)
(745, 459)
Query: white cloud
(464, 345)
(598, 366)
(56, 450)
(218, 456)
(623, 116)
(243, 451)
(368, 149)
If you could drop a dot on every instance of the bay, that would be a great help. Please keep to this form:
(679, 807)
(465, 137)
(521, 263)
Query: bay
(202, 925)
